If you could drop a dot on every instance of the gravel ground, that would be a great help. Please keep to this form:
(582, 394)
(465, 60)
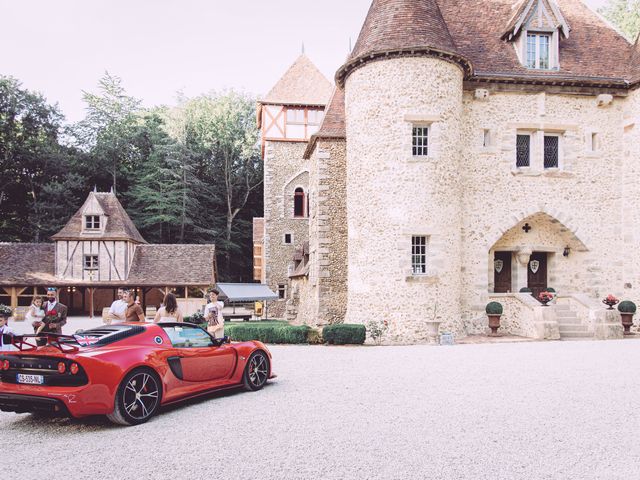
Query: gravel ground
(549, 410)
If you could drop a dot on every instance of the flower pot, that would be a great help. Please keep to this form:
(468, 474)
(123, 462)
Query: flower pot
(433, 328)
(494, 324)
(545, 303)
(627, 322)
(610, 303)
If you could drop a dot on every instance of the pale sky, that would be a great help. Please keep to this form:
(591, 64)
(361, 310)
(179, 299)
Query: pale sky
(61, 47)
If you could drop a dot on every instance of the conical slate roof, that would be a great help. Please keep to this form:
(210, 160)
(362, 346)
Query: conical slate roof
(394, 26)
(302, 84)
(333, 125)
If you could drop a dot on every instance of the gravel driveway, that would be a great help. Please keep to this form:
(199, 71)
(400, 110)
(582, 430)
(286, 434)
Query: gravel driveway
(554, 410)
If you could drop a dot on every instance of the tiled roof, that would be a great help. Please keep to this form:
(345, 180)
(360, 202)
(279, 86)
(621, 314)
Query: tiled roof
(173, 265)
(333, 125)
(119, 225)
(27, 264)
(302, 84)
(472, 30)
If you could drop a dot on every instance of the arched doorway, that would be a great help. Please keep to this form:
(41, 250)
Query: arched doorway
(536, 253)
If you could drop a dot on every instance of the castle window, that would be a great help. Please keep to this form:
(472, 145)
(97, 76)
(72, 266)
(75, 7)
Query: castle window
(282, 291)
(420, 141)
(523, 150)
(299, 203)
(593, 144)
(315, 117)
(92, 222)
(419, 255)
(288, 238)
(551, 151)
(295, 116)
(538, 50)
(486, 138)
(91, 262)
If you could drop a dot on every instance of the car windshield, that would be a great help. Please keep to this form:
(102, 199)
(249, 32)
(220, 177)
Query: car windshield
(188, 336)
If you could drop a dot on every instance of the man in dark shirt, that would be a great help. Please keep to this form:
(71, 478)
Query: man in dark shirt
(134, 311)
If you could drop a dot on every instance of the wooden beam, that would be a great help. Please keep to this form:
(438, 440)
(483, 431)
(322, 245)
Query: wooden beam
(14, 298)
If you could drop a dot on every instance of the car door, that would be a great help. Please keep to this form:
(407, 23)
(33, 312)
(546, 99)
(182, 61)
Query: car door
(200, 360)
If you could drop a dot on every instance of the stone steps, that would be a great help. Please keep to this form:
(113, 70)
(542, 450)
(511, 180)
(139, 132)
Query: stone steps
(569, 325)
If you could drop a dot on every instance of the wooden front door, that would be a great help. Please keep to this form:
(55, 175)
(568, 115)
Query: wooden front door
(537, 273)
(502, 272)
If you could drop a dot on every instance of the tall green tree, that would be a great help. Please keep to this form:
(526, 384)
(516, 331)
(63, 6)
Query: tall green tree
(33, 165)
(108, 132)
(624, 14)
(220, 131)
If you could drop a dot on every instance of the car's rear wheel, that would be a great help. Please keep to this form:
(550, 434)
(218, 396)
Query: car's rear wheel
(138, 398)
(256, 373)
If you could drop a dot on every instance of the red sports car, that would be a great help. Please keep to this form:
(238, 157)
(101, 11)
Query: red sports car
(125, 371)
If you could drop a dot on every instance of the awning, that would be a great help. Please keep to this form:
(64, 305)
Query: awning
(246, 292)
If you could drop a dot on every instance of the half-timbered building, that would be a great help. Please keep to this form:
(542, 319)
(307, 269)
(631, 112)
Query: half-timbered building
(97, 251)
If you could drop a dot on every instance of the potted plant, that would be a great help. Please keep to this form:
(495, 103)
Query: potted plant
(627, 310)
(494, 312)
(525, 290)
(545, 297)
(611, 301)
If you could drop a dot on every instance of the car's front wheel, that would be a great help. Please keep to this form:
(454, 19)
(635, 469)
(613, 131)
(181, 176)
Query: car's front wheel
(138, 398)
(256, 373)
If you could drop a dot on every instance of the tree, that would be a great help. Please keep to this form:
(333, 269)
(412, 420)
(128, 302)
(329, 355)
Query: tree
(33, 164)
(220, 130)
(624, 14)
(107, 132)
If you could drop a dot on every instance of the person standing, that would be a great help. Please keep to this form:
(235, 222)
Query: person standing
(55, 314)
(134, 311)
(169, 311)
(35, 312)
(118, 309)
(5, 332)
(213, 314)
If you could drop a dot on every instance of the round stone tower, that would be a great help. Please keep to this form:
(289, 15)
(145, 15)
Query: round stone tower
(403, 107)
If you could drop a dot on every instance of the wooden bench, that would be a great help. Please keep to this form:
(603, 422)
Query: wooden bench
(151, 312)
(105, 316)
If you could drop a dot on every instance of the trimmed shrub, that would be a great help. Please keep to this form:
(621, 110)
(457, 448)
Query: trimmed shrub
(525, 290)
(551, 290)
(344, 334)
(627, 307)
(494, 308)
(268, 334)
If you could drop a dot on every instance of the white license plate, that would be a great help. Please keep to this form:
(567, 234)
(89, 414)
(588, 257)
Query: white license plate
(32, 379)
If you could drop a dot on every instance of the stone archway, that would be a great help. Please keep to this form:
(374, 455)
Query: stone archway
(537, 251)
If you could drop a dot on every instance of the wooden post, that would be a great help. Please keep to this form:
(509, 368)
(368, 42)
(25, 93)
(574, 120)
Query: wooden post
(14, 298)
(91, 289)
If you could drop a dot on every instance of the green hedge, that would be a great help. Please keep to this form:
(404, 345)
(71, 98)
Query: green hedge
(344, 334)
(268, 333)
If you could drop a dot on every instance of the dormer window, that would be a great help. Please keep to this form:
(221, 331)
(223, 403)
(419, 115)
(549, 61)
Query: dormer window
(538, 50)
(92, 222)
(536, 31)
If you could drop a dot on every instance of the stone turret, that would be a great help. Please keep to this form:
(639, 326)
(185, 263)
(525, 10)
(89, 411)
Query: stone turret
(403, 94)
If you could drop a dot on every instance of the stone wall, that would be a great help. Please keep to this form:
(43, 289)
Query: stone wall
(284, 171)
(577, 205)
(322, 296)
(392, 196)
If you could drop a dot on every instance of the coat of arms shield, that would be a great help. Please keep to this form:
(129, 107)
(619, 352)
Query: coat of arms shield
(498, 265)
(535, 266)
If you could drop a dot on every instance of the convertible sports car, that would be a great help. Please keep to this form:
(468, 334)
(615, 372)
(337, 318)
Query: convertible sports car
(125, 371)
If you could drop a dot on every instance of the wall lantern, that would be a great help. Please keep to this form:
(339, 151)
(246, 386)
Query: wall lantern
(566, 251)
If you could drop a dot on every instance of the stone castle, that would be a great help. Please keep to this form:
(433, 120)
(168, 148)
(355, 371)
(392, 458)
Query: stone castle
(469, 150)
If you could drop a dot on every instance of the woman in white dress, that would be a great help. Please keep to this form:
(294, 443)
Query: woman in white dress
(169, 311)
(35, 312)
(213, 314)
